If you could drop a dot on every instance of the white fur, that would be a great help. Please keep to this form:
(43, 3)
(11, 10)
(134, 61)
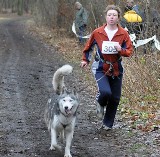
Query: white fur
(68, 132)
(58, 77)
(64, 122)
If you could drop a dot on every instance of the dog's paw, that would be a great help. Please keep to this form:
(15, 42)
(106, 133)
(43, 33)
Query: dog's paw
(56, 147)
(51, 148)
(67, 155)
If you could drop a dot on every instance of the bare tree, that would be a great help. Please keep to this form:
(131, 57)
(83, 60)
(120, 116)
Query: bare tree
(61, 13)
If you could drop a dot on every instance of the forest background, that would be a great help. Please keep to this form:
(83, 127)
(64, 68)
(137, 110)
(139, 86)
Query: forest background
(53, 19)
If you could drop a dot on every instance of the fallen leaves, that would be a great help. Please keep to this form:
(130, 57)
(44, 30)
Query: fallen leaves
(142, 117)
(140, 102)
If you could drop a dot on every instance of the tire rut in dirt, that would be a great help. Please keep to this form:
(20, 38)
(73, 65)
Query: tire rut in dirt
(24, 91)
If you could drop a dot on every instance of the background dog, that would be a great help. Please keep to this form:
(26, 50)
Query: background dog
(60, 114)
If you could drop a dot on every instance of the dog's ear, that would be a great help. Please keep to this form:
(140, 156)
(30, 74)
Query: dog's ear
(64, 90)
(57, 109)
(74, 92)
(58, 91)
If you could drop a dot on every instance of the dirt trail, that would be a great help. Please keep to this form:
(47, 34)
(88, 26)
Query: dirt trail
(26, 69)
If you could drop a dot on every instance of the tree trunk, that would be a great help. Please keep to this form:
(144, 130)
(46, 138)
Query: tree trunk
(20, 7)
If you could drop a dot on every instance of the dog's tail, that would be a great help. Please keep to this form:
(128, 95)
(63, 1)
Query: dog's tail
(58, 77)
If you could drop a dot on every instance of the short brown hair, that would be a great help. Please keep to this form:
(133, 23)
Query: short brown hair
(113, 7)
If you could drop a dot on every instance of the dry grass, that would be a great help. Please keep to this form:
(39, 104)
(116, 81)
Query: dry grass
(141, 86)
(141, 80)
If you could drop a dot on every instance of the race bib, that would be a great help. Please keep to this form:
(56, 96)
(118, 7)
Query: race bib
(108, 47)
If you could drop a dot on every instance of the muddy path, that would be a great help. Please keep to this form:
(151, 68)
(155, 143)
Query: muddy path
(26, 69)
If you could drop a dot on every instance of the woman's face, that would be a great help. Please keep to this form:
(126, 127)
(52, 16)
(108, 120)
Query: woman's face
(112, 17)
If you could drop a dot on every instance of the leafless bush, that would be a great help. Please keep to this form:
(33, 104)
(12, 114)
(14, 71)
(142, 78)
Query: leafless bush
(141, 78)
(142, 70)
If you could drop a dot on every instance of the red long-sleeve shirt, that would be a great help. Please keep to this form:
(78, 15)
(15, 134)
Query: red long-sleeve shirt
(97, 37)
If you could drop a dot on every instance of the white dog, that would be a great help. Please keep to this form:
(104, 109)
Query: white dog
(60, 114)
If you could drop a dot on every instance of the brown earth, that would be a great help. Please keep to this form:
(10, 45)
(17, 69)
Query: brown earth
(27, 65)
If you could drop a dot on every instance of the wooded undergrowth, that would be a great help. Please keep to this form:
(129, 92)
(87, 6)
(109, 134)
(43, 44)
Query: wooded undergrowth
(140, 103)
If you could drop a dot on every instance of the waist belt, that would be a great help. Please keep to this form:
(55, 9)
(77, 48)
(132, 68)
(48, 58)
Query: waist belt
(111, 69)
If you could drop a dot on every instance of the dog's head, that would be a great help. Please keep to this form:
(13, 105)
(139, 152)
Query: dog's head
(68, 102)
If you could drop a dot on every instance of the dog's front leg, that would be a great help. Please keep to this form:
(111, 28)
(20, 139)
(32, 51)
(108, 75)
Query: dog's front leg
(54, 144)
(69, 137)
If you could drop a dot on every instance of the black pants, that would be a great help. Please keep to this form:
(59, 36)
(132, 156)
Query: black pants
(109, 93)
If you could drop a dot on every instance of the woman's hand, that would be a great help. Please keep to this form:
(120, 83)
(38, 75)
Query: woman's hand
(83, 64)
(118, 47)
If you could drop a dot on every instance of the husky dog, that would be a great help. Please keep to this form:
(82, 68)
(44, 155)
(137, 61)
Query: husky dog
(60, 114)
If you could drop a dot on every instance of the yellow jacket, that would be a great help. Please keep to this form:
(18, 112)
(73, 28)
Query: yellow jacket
(132, 16)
